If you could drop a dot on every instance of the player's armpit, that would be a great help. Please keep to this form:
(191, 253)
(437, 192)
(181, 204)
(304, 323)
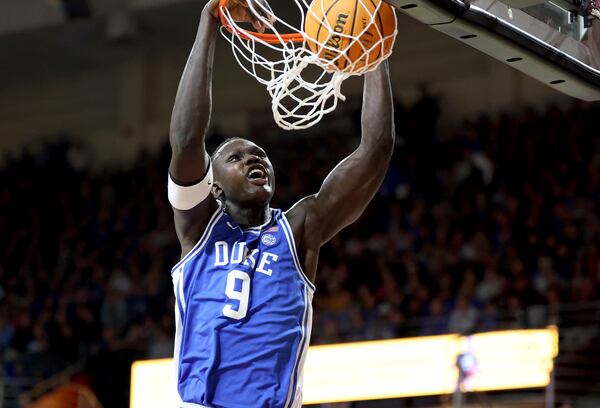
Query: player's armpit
(190, 224)
(307, 244)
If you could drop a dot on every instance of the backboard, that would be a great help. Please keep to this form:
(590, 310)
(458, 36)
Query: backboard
(553, 41)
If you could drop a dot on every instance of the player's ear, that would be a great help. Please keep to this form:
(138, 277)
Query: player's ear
(217, 191)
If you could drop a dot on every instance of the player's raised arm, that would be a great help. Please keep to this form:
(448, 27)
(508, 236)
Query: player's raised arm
(190, 172)
(352, 184)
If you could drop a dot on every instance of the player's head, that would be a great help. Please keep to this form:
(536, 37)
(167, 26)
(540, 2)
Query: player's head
(243, 174)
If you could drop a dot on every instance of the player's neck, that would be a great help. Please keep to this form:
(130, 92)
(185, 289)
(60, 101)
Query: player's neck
(247, 217)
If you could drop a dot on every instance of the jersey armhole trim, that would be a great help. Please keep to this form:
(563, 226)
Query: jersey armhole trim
(302, 348)
(287, 230)
(205, 235)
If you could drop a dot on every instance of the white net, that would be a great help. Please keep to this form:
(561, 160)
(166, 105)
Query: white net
(304, 74)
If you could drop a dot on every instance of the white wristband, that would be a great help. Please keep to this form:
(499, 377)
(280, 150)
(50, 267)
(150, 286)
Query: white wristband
(187, 197)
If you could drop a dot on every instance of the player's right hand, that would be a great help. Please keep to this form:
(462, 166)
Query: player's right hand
(243, 11)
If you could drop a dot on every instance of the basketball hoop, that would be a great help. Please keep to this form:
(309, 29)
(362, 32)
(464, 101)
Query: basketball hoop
(303, 68)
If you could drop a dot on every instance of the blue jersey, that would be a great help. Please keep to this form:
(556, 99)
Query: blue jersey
(243, 317)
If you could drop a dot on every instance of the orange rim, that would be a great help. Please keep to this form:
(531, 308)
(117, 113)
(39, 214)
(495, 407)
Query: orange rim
(253, 35)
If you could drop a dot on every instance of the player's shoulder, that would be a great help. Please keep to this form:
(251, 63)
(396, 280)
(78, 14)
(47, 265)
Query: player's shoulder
(298, 212)
(301, 218)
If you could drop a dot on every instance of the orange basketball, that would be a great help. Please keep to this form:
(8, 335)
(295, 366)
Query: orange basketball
(336, 27)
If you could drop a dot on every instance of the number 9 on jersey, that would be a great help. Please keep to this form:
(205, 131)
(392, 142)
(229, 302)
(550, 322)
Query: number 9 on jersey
(242, 295)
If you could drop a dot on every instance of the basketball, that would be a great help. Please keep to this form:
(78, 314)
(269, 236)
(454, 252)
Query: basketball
(350, 34)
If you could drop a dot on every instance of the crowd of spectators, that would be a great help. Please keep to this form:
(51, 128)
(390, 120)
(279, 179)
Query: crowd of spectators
(491, 225)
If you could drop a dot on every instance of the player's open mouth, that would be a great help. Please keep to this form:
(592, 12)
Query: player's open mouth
(257, 176)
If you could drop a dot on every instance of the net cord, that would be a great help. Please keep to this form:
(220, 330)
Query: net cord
(310, 99)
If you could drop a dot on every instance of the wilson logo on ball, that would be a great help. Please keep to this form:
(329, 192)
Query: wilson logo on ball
(350, 36)
(335, 41)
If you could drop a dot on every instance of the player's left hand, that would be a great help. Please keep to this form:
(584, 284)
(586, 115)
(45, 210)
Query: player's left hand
(242, 11)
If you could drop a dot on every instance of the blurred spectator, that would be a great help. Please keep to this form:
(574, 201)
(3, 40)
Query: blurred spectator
(490, 287)
(437, 321)
(464, 317)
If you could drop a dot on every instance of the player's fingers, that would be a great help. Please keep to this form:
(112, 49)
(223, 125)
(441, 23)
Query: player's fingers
(247, 16)
(258, 26)
(261, 9)
(266, 10)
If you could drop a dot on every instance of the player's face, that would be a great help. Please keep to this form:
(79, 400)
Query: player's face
(243, 173)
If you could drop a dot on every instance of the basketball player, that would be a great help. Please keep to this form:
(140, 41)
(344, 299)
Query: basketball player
(244, 284)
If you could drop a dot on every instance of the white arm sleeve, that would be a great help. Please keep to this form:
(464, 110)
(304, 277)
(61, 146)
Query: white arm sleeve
(187, 197)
